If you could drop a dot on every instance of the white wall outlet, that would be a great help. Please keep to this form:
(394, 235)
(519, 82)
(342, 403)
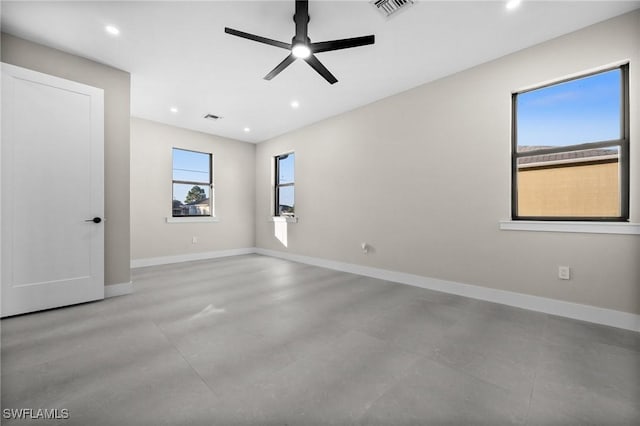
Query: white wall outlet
(194, 240)
(365, 248)
(564, 272)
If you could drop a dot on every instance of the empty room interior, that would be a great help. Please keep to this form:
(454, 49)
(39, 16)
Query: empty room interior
(386, 212)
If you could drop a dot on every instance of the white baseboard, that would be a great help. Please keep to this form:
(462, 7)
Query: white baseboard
(164, 260)
(609, 317)
(121, 289)
(561, 308)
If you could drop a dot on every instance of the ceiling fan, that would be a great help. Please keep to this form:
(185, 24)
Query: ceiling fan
(302, 47)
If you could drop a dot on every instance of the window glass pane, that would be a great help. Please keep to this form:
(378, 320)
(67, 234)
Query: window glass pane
(191, 200)
(570, 113)
(286, 205)
(570, 184)
(191, 166)
(286, 169)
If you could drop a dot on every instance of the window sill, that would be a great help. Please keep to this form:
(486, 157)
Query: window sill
(582, 227)
(287, 219)
(192, 219)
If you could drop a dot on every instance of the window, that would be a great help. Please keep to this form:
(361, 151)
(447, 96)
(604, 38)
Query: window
(192, 183)
(570, 149)
(284, 185)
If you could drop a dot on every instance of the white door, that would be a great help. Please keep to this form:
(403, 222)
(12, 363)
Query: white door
(52, 184)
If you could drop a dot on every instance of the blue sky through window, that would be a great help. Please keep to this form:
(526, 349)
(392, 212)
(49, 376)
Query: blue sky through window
(190, 166)
(573, 112)
(286, 174)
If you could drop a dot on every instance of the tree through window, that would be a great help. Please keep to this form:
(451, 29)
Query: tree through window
(192, 183)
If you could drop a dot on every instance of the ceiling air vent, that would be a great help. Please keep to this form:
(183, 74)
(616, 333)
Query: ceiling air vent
(389, 7)
(212, 117)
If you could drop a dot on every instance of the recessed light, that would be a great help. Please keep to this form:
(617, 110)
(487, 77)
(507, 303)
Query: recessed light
(512, 4)
(173, 109)
(246, 129)
(112, 30)
(295, 104)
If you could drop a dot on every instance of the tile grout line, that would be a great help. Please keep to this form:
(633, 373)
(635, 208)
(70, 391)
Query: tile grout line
(175, 348)
(537, 369)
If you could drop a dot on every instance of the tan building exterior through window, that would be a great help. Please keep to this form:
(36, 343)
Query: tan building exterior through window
(574, 184)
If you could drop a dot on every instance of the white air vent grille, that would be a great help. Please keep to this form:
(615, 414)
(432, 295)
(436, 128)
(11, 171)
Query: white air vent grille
(389, 7)
(212, 117)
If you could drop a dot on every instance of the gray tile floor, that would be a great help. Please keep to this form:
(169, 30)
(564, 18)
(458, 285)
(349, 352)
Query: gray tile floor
(253, 340)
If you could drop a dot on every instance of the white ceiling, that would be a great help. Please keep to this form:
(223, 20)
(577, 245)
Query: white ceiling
(179, 56)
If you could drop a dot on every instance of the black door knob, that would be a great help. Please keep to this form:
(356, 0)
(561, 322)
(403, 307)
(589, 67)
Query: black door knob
(94, 220)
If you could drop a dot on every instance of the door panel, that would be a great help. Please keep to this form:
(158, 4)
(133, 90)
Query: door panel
(52, 182)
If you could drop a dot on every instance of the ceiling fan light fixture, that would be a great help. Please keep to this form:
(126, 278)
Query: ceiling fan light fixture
(301, 51)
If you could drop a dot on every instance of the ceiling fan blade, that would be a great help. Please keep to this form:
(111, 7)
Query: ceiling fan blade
(282, 65)
(301, 18)
(321, 69)
(258, 38)
(345, 43)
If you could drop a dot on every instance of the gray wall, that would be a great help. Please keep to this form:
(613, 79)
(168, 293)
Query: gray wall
(116, 86)
(234, 183)
(424, 177)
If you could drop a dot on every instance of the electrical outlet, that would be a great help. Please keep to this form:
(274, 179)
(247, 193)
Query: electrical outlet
(564, 272)
(194, 240)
